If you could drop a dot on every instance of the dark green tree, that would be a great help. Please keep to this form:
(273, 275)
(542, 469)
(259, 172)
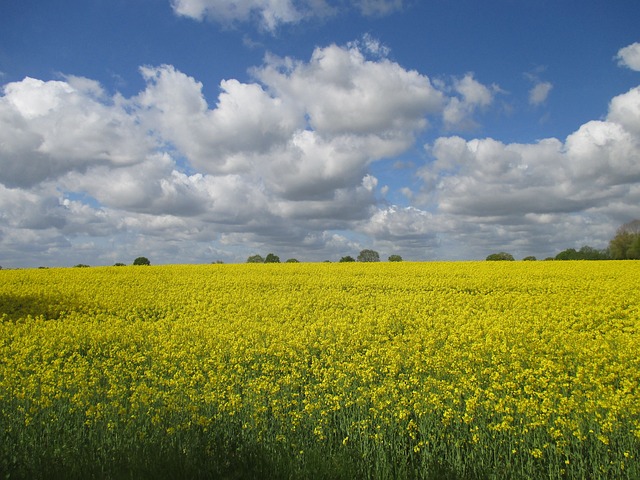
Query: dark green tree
(626, 244)
(348, 258)
(634, 250)
(272, 258)
(585, 253)
(141, 261)
(530, 258)
(292, 260)
(367, 255)
(395, 258)
(501, 256)
(255, 259)
(568, 254)
(590, 253)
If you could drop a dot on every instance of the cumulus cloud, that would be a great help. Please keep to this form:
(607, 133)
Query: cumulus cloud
(246, 121)
(304, 129)
(629, 57)
(469, 96)
(539, 93)
(342, 91)
(521, 186)
(282, 159)
(50, 128)
(269, 14)
(625, 111)
(401, 224)
(285, 160)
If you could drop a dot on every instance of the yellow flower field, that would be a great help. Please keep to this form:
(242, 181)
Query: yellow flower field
(382, 370)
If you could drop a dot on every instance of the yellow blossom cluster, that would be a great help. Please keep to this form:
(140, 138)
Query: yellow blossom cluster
(394, 370)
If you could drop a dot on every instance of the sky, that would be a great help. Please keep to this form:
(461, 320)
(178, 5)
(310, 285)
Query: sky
(196, 131)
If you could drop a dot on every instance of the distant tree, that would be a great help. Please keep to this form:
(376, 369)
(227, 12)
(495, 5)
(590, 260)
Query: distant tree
(585, 253)
(141, 261)
(626, 244)
(119, 264)
(271, 258)
(292, 260)
(590, 253)
(500, 256)
(348, 258)
(568, 254)
(367, 255)
(81, 265)
(217, 262)
(634, 250)
(255, 259)
(530, 258)
(395, 258)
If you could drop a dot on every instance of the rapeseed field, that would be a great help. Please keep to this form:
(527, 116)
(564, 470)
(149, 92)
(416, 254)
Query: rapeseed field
(468, 370)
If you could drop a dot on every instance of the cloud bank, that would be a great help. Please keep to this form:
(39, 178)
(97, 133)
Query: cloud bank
(284, 163)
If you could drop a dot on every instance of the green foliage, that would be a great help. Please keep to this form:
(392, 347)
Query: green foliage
(367, 255)
(255, 259)
(634, 250)
(272, 258)
(585, 253)
(626, 244)
(81, 265)
(348, 258)
(530, 258)
(292, 260)
(501, 256)
(141, 261)
(395, 258)
(119, 264)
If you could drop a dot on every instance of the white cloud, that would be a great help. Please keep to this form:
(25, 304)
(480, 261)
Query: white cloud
(591, 176)
(629, 57)
(343, 92)
(284, 162)
(378, 7)
(50, 128)
(625, 110)
(307, 129)
(277, 160)
(269, 14)
(246, 121)
(471, 96)
(539, 93)
(401, 224)
(370, 45)
(272, 14)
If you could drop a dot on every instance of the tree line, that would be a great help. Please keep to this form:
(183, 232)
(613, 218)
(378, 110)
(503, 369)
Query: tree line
(625, 245)
(366, 255)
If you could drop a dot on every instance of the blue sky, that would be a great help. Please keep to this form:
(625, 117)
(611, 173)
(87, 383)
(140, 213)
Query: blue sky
(190, 131)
